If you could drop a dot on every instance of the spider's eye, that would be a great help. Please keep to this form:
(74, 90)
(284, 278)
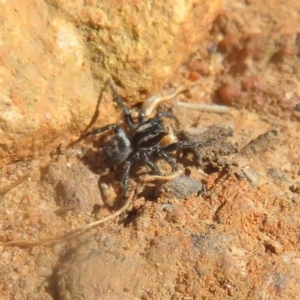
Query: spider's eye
(154, 129)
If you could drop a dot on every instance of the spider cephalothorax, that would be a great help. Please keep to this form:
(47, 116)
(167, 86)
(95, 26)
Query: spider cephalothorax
(148, 137)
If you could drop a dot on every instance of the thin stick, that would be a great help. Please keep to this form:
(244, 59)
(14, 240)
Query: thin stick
(218, 109)
(150, 104)
(72, 233)
(148, 178)
(9, 187)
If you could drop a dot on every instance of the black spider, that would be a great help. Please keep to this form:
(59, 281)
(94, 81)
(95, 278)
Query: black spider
(148, 137)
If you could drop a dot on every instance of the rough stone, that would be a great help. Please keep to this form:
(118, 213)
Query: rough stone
(180, 187)
(55, 55)
(73, 185)
(108, 272)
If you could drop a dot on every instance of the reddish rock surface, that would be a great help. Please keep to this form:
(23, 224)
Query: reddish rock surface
(56, 55)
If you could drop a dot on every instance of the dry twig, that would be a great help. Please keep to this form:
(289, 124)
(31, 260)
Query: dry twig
(218, 109)
(149, 178)
(9, 187)
(151, 103)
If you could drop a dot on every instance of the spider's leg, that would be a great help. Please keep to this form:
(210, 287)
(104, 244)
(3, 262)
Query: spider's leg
(150, 164)
(183, 145)
(191, 144)
(167, 114)
(125, 178)
(175, 146)
(116, 128)
(169, 160)
(125, 110)
(142, 116)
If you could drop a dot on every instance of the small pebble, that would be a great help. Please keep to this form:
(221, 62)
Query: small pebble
(44, 272)
(250, 174)
(229, 93)
(297, 107)
(177, 216)
(295, 187)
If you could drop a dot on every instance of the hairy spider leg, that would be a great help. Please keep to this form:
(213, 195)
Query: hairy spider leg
(142, 116)
(116, 128)
(169, 160)
(150, 164)
(191, 144)
(183, 145)
(166, 114)
(125, 177)
(128, 165)
(125, 110)
(162, 151)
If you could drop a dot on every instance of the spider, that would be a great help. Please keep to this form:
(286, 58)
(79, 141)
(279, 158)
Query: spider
(147, 138)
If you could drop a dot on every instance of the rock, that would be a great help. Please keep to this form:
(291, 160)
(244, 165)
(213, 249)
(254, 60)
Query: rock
(108, 272)
(47, 85)
(51, 52)
(261, 143)
(181, 187)
(295, 187)
(138, 43)
(73, 185)
(250, 174)
(215, 146)
(277, 175)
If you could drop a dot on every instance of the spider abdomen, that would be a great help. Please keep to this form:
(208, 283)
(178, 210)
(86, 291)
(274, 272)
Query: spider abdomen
(117, 150)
